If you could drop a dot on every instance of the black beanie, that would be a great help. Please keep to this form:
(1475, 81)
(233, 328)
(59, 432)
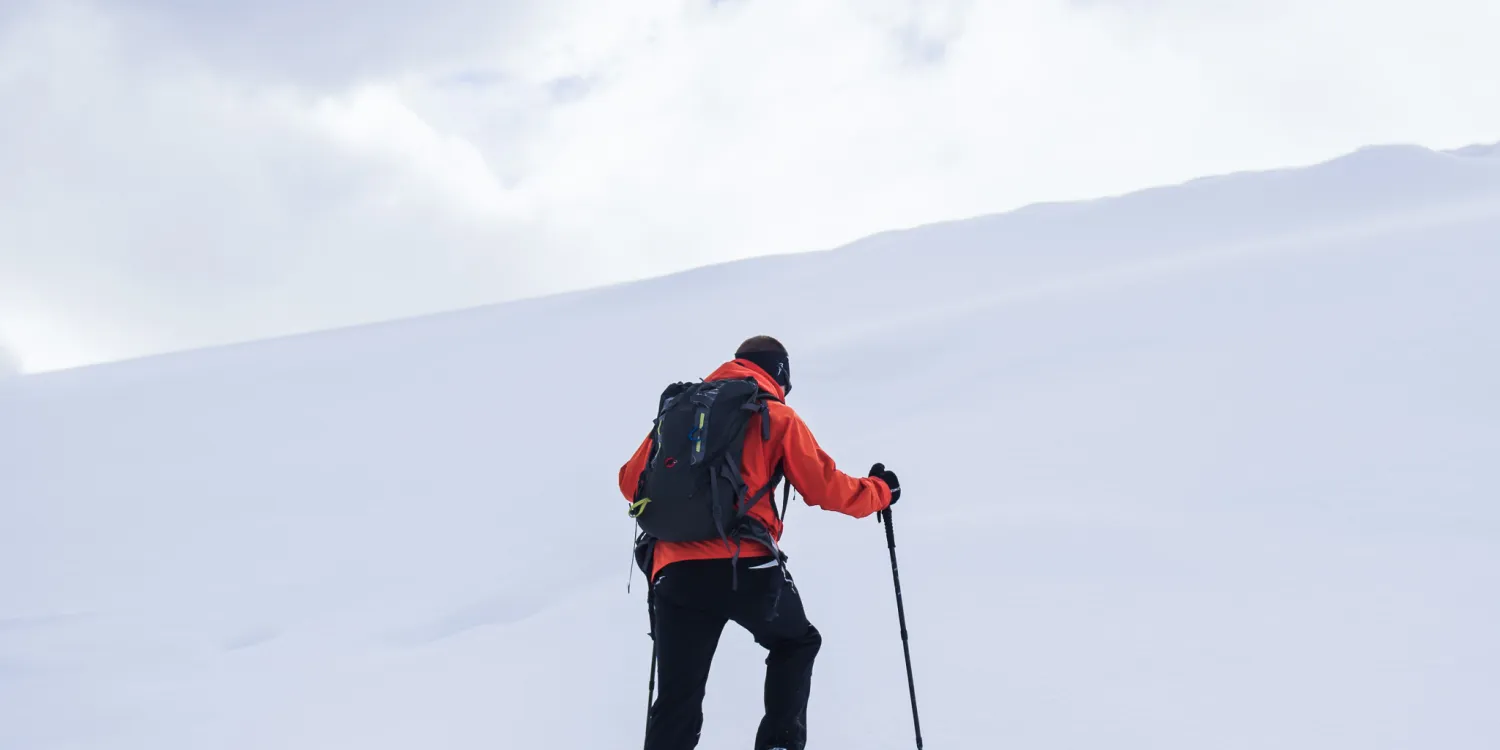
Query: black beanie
(768, 354)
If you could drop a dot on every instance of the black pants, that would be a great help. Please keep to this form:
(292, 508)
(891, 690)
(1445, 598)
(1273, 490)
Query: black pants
(692, 602)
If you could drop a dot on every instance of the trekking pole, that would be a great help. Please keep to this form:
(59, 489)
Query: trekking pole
(651, 685)
(890, 539)
(651, 688)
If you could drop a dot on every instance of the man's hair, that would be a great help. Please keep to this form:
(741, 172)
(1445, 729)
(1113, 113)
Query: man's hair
(760, 345)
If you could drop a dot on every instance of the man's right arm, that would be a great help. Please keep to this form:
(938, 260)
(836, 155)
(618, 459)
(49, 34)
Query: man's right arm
(815, 475)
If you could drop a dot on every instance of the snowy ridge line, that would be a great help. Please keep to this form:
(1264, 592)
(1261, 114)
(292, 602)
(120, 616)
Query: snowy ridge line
(1328, 239)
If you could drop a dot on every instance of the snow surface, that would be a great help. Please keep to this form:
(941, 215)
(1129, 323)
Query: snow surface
(1209, 466)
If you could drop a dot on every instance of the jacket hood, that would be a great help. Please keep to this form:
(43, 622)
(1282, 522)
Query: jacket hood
(744, 368)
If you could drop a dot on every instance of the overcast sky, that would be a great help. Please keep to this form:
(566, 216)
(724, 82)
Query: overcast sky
(177, 173)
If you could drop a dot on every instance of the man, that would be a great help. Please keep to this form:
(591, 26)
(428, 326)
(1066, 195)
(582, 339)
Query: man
(697, 587)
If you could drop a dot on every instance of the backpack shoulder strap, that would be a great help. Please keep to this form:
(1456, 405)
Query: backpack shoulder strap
(770, 490)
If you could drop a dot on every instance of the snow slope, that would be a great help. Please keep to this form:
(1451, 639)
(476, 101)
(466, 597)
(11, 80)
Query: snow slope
(1209, 466)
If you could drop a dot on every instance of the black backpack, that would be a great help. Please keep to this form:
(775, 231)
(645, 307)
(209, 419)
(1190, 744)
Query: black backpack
(691, 489)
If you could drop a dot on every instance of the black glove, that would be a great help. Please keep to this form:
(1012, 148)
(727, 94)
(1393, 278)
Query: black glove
(889, 477)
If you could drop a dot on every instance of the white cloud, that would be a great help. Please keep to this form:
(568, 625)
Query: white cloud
(187, 174)
(377, 127)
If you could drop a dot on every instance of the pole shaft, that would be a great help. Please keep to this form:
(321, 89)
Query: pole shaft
(911, 684)
(651, 685)
(651, 688)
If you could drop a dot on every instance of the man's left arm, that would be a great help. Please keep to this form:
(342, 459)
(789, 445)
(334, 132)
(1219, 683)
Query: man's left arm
(630, 473)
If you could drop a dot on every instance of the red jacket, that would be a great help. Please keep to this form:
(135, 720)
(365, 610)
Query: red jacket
(811, 472)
